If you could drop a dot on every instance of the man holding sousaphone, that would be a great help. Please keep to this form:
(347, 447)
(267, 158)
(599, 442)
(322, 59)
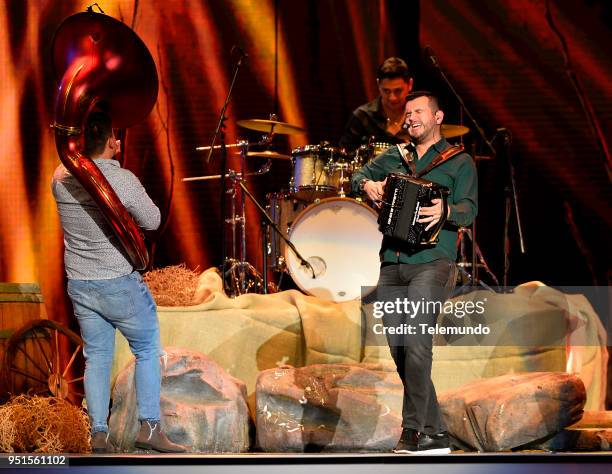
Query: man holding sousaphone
(106, 293)
(423, 271)
(107, 77)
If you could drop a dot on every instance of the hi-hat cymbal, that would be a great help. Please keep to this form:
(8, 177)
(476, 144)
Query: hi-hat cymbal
(270, 126)
(452, 131)
(266, 154)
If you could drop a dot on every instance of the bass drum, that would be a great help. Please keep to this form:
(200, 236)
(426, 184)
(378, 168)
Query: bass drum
(339, 237)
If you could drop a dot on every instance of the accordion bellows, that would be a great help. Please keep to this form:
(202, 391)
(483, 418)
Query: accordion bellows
(403, 198)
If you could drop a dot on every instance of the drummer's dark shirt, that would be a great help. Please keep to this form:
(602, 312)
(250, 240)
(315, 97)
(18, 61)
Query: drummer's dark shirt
(368, 123)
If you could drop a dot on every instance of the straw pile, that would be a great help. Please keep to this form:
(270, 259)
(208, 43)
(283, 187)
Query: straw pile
(172, 286)
(43, 425)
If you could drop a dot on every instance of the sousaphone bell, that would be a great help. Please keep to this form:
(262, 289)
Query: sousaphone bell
(101, 63)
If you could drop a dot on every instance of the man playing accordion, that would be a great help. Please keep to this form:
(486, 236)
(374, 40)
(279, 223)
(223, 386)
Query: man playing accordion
(419, 272)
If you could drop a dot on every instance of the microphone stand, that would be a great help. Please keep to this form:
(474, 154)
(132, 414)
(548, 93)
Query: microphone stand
(508, 209)
(220, 132)
(475, 250)
(483, 137)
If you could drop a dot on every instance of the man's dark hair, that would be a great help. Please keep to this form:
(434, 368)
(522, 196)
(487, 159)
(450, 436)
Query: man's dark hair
(433, 98)
(98, 129)
(393, 68)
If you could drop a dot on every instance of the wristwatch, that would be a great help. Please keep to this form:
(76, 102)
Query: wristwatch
(362, 184)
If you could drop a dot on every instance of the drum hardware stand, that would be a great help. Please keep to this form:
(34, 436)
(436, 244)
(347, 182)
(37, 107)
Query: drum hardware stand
(267, 220)
(243, 277)
(263, 170)
(478, 261)
(264, 252)
(239, 276)
(220, 132)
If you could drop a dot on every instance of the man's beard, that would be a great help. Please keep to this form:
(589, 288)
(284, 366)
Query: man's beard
(418, 139)
(423, 137)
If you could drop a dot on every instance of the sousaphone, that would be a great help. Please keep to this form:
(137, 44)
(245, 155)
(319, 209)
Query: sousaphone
(101, 63)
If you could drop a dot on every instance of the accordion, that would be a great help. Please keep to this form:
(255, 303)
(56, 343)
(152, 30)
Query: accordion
(403, 198)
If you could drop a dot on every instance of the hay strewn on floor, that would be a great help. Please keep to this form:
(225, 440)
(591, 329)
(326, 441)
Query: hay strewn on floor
(43, 425)
(172, 286)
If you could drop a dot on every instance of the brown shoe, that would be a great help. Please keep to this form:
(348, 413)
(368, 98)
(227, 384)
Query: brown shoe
(99, 443)
(150, 437)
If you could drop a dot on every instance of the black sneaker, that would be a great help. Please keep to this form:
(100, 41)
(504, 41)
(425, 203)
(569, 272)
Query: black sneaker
(415, 442)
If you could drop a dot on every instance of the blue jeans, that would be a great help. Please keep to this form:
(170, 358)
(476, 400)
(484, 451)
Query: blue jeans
(123, 303)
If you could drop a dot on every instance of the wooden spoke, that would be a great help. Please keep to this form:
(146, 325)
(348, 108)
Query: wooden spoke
(74, 354)
(30, 376)
(57, 353)
(22, 350)
(44, 354)
(34, 359)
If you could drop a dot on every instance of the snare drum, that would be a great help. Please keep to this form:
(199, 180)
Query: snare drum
(339, 237)
(312, 166)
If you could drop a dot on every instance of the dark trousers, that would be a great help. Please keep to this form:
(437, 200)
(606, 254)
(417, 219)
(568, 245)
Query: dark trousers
(427, 283)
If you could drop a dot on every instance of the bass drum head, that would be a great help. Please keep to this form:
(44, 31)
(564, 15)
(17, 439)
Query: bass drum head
(339, 237)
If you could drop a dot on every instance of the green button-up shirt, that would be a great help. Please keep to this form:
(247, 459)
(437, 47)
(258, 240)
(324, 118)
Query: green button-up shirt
(458, 174)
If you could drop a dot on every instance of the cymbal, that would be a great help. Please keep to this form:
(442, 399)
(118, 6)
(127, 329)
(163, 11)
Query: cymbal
(266, 154)
(270, 126)
(452, 131)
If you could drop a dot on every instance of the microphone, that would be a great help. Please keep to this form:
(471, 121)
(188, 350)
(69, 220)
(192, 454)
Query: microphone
(429, 52)
(505, 133)
(240, 50)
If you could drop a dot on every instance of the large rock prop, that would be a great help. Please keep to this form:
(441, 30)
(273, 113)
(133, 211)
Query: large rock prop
(328, 408)
(534, 329)
(592, 433)
(202, 406)
(506, 412)
(267, 331)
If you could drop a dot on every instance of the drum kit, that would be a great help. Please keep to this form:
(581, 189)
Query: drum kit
(326, 240)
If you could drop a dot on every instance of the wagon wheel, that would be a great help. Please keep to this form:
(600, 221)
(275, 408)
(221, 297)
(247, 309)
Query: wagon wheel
(34, 361)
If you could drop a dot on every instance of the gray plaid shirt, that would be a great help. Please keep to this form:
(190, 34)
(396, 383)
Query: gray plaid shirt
(92, 250)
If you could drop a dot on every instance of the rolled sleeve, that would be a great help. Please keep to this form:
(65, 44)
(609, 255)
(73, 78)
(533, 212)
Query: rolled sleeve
(376, 170)
(464, 199)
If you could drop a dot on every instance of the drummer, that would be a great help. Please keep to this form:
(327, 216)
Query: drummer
(381, 120)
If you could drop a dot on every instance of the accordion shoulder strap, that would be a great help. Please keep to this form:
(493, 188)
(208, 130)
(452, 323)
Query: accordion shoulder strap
(443, 157)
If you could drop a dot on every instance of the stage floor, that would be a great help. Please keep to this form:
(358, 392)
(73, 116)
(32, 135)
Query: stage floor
(357, 463)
